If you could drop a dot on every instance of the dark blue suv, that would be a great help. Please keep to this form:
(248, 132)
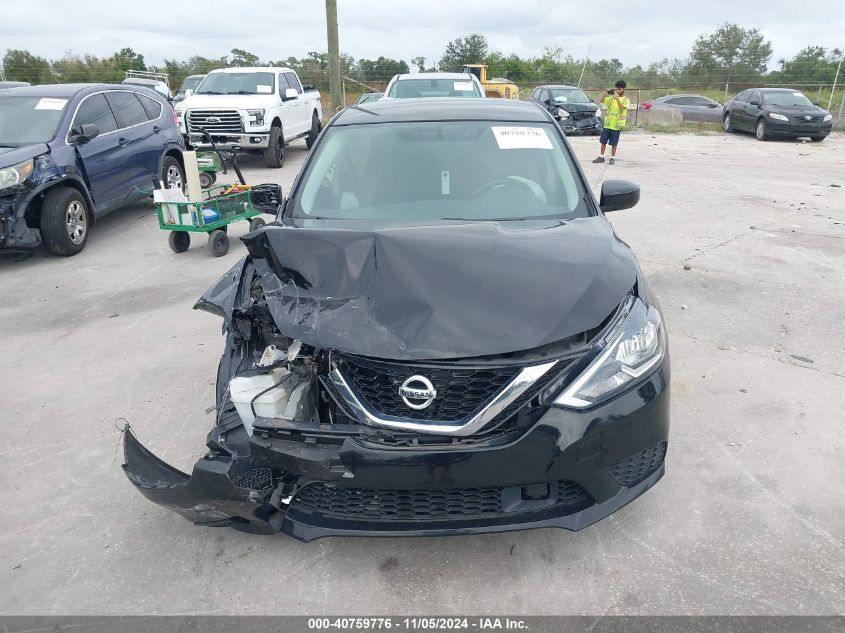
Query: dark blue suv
(70, 153)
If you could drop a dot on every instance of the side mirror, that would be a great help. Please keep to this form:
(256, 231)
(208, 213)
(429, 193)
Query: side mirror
(86, 132)
(618, 194)
(754, 102)
(290, 93)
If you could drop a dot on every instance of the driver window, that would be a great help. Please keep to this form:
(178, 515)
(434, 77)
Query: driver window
(283, 84)
(95, 110)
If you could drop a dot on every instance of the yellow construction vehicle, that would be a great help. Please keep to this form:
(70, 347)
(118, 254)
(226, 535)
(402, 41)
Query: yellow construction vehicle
(496, 87)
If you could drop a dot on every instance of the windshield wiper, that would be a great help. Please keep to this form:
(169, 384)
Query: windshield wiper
(9, 146)
(209, 92)
(242, 92)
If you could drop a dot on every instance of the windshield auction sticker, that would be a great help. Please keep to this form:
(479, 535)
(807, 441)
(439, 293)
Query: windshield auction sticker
(50, 104)
(521, 137)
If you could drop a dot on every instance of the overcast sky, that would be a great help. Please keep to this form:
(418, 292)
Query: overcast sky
(402, 29)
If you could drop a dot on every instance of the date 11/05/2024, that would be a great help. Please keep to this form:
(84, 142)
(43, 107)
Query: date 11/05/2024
(416, 623)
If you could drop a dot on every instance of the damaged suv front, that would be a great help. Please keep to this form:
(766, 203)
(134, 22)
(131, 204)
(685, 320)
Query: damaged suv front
(441, 335)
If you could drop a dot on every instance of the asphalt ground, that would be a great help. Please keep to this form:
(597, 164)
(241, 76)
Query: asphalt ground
(742, 242)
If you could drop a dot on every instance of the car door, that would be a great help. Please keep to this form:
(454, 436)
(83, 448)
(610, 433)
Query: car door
(753, 109)
(303, 111)
(290, 119)
(136, 136)
(101, 156)
(704, 109)
(151, 153)
(739, 117)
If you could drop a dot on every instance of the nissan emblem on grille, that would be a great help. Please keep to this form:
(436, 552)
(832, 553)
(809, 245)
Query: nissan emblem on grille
(417, 392)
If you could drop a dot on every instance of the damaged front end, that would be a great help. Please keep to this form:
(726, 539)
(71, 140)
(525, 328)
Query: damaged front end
(355, 398)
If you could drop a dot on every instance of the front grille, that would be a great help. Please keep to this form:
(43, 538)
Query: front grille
(813, 119)
(223, 121)
(421, 505)
(460, 390)
(636, 468)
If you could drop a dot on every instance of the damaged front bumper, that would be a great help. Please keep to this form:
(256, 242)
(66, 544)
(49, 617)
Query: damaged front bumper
(14, 232)
(568, 470)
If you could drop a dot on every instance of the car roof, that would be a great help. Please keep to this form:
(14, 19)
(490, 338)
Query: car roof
(434, 76)
(777, 90)
(253, 69)
(67, 91)
(556, 86)
(442, 109)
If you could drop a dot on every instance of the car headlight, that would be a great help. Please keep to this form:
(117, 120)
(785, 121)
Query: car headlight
(563, 114)
(256, 117)
(16, 174)
(779, 117)
(828, 117)
(638, 346)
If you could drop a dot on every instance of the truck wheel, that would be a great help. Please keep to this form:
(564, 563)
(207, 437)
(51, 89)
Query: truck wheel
(727, 124)
(315, 131)
(274, 155)
(64, 221)
(817, 139)
(172, 173)
(179, 241)
(257, 223)
(207, 178)
(218, 242)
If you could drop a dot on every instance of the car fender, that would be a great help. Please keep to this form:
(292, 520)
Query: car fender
(64, 179)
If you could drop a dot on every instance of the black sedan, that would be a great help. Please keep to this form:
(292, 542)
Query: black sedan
(776, 112)
(442, 334)
(691, 107)
(574, 110)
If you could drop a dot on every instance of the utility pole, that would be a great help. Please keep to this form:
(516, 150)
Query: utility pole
(830, 101)
(334, 55)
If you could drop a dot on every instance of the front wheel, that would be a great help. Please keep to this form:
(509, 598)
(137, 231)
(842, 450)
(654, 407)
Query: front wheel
(274, 155)
(727, 124)
(760, 131)
(179, 241)
(218, 241)
(314, 133)
(64, 221)
(817, 139)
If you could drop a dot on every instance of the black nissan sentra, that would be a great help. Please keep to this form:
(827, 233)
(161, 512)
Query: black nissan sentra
(441, 335)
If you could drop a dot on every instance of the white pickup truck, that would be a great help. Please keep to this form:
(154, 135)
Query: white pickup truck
(251, 109)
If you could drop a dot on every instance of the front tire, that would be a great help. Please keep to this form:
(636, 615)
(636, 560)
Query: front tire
(64, 221)
(274, 155)
(727, 124)
(179, 241)
(817, 139)
(218, 242)
(172, 174)
(760, 130)
(315, 131)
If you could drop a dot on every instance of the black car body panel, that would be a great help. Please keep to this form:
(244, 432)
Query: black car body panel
(469, 304)
(126, 159)
(750, 107)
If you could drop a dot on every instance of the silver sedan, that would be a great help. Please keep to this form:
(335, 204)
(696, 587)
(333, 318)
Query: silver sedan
(692, 107)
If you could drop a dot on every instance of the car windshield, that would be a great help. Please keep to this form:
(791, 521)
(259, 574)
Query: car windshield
(26, 120)
(785, 98)
(190, 83)
(449, 170)
(414, 88)
(569, 95)
(246, 83)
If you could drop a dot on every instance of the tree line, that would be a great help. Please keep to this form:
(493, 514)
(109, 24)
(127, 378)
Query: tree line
(731, 54)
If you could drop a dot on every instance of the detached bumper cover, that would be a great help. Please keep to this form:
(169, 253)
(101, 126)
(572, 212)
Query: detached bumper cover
(569, 470)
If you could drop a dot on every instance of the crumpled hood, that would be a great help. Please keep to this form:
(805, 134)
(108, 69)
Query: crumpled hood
(14, 155)
(577, 107)
(434, 292)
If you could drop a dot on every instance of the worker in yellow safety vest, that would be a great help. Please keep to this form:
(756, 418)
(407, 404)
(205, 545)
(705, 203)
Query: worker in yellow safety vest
(616, 110)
